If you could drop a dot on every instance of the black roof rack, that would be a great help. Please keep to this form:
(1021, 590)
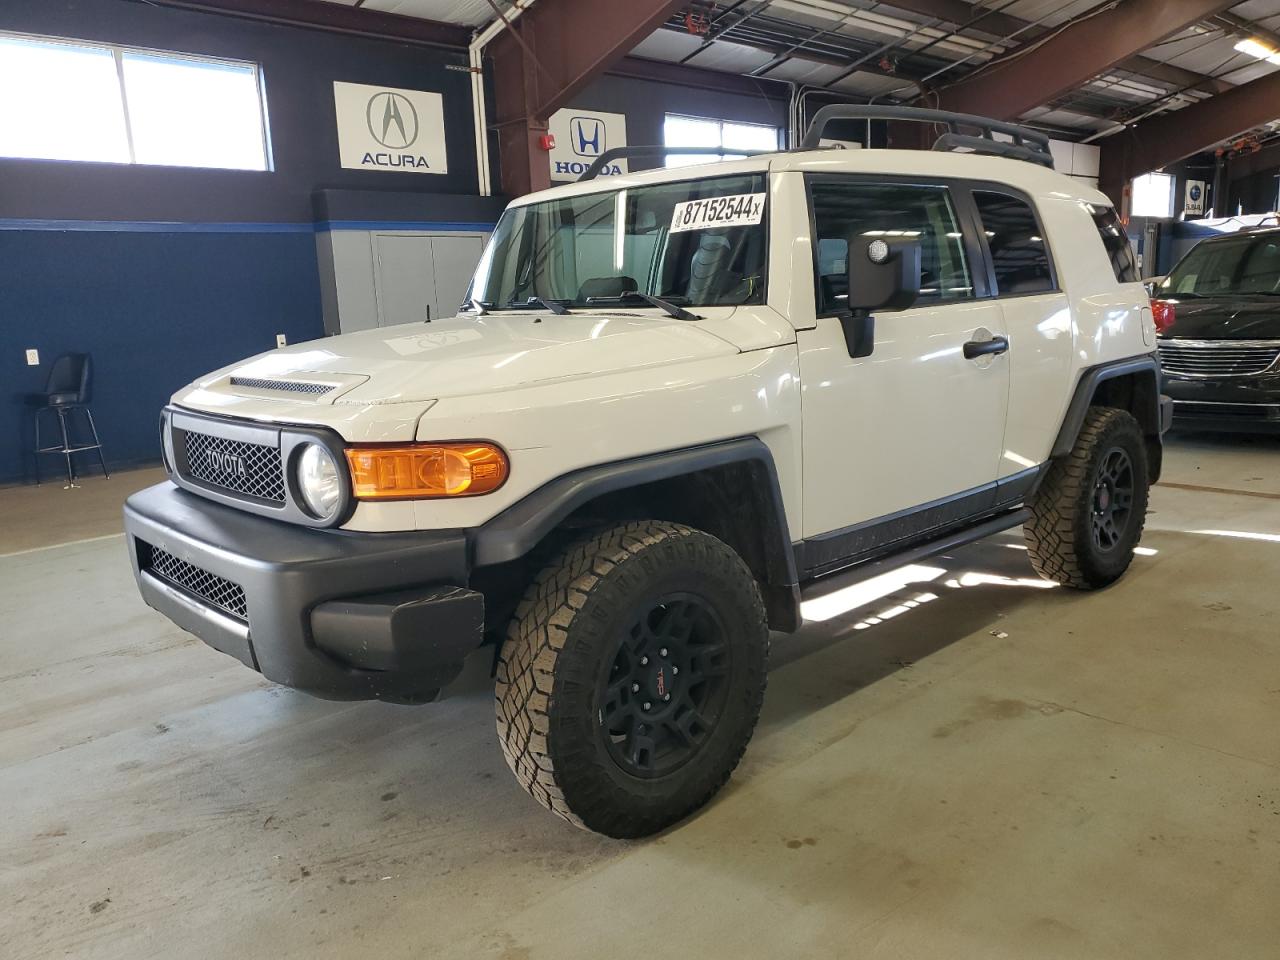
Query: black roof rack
(1263, 224)
(619, 153)
(1026, 144)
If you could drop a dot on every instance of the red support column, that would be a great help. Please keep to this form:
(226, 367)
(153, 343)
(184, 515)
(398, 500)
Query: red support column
(562, 46)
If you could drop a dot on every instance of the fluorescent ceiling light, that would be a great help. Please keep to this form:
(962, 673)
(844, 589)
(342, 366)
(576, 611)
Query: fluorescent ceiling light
(1256, 48)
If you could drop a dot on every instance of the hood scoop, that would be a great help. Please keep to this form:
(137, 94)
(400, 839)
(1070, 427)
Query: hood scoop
(285, 386)
(264, 379)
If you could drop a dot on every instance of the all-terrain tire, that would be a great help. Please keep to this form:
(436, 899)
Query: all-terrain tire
(1060, 536)
(604, 601)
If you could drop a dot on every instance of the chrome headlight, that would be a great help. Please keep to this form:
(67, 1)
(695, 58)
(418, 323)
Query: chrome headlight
(319, 481)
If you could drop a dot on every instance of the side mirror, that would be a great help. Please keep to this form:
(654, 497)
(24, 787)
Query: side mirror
(1153, 285)
(883, 274)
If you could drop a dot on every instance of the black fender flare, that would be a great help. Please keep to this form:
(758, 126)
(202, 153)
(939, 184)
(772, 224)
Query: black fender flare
(517, 530)
(1087, 387)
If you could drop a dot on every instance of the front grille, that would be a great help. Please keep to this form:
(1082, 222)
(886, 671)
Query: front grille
(212, 589)
(249, 469)
(1219, 358)
(287, 386)
(1230, 411)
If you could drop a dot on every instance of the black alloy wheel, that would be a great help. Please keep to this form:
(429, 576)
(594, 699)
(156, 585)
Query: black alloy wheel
(1088, 513)
(666, 688)
(632, 675)
(1113, 489)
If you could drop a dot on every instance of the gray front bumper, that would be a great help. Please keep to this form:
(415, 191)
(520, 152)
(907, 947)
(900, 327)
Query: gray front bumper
(342, 615)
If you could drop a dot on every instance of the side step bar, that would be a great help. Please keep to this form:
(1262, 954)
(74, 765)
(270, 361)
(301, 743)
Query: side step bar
(837, 580)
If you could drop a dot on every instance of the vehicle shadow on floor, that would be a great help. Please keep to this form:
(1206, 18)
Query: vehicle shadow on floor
(980, 585)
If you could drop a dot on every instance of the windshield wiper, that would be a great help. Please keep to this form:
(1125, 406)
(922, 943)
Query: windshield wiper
(555, 306)
(672, 309)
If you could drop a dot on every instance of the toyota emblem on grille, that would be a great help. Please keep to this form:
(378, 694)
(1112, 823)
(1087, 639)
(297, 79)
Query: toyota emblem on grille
(228, 463)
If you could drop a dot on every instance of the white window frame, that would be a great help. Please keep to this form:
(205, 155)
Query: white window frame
(720, 123)
(118, 52)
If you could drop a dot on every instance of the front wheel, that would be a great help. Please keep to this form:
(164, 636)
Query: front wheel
(632, 677)
(1089, 512)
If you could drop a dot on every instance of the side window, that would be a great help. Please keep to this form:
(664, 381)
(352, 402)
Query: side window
(1119, 251)
(1018, 252)
(842, 210)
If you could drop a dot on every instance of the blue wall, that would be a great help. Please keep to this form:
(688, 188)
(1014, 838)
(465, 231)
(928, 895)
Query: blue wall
(165, 273)
(154, 309)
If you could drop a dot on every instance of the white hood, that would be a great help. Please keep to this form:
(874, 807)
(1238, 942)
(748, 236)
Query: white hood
(464, 355)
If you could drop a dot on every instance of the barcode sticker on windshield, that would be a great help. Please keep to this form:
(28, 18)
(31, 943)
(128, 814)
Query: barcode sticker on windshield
(739, 210)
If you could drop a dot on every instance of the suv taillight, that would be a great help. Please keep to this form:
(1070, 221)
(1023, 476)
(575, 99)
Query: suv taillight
(1162, 311)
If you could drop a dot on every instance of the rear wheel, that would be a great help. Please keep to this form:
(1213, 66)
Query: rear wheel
(1089, 512)
(632, 677)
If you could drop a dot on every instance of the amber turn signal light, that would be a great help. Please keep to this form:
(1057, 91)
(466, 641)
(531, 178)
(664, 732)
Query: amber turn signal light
(414, 470)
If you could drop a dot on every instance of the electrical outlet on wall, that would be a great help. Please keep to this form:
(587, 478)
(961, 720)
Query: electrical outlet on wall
(281, 340)
(33, 358)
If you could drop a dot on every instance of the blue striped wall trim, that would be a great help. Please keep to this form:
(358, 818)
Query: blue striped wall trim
(152, 226)
(162, 226)
(437, 226)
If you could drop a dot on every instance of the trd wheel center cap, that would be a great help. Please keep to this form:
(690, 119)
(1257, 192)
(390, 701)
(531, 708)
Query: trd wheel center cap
(1104, 498)
(661, 681)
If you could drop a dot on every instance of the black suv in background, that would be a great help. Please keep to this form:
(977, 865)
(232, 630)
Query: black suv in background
(1218, 312)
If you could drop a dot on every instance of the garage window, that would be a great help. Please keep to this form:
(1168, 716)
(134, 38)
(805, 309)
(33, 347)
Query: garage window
(681, 131)
(1152, 196)
(68, 100)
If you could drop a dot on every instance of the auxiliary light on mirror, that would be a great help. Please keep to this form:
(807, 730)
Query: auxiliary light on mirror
(883, 274)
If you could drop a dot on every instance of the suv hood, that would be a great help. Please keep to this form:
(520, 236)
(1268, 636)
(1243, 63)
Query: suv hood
(465, 355)
(1227, 318)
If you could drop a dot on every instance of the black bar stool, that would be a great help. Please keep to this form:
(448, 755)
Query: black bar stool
(68, 390)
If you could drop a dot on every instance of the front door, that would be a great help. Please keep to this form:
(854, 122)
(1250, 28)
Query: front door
(907, 439)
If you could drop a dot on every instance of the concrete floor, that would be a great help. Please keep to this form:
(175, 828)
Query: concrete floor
(1004, 771)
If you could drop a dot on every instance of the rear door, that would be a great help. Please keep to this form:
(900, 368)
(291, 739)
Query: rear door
(907, 440)
(1037, 316)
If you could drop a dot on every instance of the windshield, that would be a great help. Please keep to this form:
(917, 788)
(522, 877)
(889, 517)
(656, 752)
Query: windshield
(694, 242)
(1243, 265)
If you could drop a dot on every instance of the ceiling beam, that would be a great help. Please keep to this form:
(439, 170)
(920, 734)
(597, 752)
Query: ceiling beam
(1161, 140)
(541, 62)
(909, 73)
(1247, 29)
(335, 18)
(960, 13)
(663, 71)
(1069, 58)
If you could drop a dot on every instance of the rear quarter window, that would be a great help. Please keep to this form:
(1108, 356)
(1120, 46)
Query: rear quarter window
(1116, 242)
(1019, 256)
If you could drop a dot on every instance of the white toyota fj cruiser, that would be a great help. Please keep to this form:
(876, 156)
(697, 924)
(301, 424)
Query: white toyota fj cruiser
(673, 401)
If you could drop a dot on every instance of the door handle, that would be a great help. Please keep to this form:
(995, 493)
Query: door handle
(974, 349)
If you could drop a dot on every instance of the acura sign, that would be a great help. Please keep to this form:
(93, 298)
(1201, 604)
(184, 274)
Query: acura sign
(390, 129)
